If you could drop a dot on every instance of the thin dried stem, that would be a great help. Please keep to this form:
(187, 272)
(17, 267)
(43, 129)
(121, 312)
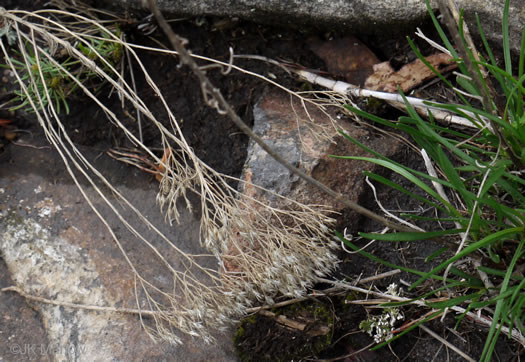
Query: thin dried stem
(447, 343)
(261, 250)
(480, 319)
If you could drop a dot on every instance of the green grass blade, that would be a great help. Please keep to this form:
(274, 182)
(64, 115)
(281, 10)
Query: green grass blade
(400, 188)
(500, 305)
(370, 116)
(403, 172)
(497, 298)
(439, 29)
(410, 236)
(379, 260)
(432, 218)
(452, 175)
(521, 62)
(500, 235)
(435, 71)
(506, 38)
(498, 273)
(455, 301)
(494, 176)
(362, 146)
(435, 254)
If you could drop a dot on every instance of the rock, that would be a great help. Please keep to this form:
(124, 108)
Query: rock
(357, 16)
(55, 247)
(347, 57)
(21, 328)
(287, 130)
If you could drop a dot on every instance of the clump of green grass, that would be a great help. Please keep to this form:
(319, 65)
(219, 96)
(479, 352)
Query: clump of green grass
(478, 190)
(50, 73)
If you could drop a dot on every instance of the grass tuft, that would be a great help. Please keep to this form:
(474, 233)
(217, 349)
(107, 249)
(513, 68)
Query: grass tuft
(476, 188)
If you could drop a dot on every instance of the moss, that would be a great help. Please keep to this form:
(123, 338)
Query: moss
(240, 335)
(306, 87)
(345, 302)
(374, 105)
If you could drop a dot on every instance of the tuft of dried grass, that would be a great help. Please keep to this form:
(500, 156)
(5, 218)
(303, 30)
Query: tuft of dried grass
(262, 251)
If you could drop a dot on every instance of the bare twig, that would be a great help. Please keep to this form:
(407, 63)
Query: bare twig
(347, 356)
(214, 98)
(379, 276)
(293, 324)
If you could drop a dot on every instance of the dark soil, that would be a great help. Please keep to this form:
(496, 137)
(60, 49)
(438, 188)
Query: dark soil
(219, 143)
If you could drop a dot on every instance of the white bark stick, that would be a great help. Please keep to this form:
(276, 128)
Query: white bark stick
(418, 104)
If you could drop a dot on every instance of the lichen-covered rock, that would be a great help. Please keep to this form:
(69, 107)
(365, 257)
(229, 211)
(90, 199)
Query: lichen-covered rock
(55, 247)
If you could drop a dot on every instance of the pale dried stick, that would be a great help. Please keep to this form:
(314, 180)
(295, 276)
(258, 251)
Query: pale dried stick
(388, 213)
(432, 43)
(379, 276)
(352, 90)
(94, 308)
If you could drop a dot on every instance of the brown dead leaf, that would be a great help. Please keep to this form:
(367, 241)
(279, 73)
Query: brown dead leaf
(386, 79)
(347, 58)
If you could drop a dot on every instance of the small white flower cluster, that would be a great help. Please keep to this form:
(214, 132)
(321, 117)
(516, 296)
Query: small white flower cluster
(381, 327)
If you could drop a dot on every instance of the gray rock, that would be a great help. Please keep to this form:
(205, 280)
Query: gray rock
(352, 16)
(287, 130)
(55, 247)
(267, 172)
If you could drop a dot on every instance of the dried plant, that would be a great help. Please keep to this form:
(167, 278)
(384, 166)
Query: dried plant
(262, 250)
